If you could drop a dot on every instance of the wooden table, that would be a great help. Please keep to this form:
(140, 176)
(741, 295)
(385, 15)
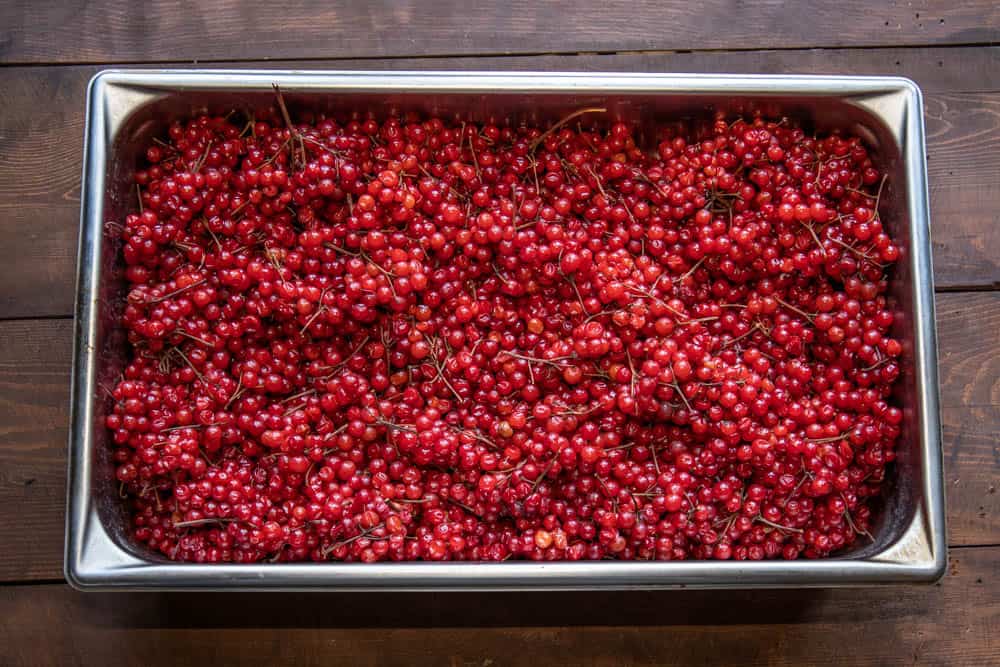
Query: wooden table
(49, 52)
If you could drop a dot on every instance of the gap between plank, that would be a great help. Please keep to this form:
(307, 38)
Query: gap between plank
(496, 55)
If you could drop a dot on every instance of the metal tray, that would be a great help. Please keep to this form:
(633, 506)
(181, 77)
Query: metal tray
(126, 108)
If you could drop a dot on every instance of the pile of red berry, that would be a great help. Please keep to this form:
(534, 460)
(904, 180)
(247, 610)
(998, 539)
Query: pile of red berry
(412, 339)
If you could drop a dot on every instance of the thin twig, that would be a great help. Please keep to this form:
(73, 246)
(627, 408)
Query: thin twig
(240, 390)
(188, 362)
(812, 231)
(176, 292)
(733, 341)
(394, 426)
(551, 362)
(203, 522)
(690, 272)
(476, 435)
(833, 438)
(204, 342)
(777, 525)
(204, 156)
(336, 545)
(797, 310)
(301, 394)
(439, 366)
(296, 135)
(562, 122)
(863, 255)
(545, 472)
(464, 507)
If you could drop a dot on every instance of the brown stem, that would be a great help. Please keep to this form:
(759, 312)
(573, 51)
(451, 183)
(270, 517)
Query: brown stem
(680, 392)
(475, 160)
(733, 341)
(296, 136)
(439, 367)
(689, 272)
(188, 362)
(348, 358)
(319, 311)
(566, 119)
(465, 507)
(184, 426)
(204, 156)
(301, 394)
(204, 342)
(236, 394)
(336, 545)
(203, 522)
(395, 426)
(830, 439)
(175, 292)
(815, 237)
(554, 362)
(797, 310)
(475, 435)
(597, 179)
(860, 253)
(777, 525)
(850, 521)
(880, 362)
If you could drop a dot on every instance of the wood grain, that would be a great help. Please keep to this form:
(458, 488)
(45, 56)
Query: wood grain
(963, 137)
(41, 154)
(105, 31)
(41, 132)
(969, 367)
(34, 421)
(34, 388)
(954, 622)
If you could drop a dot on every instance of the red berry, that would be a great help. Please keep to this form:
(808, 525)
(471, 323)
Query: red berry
(409, 339)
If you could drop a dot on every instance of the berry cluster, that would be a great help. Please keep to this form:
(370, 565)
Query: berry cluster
(418, 340)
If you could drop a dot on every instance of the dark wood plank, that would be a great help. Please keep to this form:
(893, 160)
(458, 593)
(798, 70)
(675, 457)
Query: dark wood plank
(963, 168)
(34, 387)
(102, 31)
(954, 622)
(41, 133)
(969, 367)
(34, 422)
(41, 154)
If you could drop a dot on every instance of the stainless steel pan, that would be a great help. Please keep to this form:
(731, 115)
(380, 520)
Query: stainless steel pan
(126, 108)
